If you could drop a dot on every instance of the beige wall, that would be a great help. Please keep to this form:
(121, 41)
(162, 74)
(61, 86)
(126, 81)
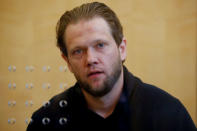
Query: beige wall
(161, 36)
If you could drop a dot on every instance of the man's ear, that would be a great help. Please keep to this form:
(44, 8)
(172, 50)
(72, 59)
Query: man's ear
(122, 49)
(67, 61)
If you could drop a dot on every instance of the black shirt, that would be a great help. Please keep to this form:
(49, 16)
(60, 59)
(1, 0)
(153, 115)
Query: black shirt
(141, 107)
(91, 121)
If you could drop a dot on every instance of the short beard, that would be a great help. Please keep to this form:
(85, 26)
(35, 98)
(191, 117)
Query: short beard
(108, 83)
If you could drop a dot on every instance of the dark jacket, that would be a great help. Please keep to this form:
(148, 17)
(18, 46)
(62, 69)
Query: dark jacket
(150, 109)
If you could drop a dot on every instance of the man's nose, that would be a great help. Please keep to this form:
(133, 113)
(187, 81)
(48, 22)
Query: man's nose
(91, 57)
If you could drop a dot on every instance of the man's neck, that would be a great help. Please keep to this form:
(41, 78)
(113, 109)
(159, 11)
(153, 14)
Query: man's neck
(105, 105)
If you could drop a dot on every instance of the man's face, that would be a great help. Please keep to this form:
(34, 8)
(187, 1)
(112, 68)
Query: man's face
(93, 55)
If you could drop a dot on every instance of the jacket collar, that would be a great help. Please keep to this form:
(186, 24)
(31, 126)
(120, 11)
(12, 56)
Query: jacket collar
(129, 82)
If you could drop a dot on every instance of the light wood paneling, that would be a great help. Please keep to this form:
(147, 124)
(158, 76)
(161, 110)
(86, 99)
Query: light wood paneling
(161, 36)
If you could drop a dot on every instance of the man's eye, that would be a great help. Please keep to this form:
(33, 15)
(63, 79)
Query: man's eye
(77, 52)
(100, 45)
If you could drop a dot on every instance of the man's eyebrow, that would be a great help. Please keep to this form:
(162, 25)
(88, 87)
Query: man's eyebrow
(99, 40)
(91, 42)
(76, 47)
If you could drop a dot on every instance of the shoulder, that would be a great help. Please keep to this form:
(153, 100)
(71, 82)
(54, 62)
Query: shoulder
(155, 105)
(54, 113)
(154, 94)
(58, 101)
(145, 93)
(152, 97)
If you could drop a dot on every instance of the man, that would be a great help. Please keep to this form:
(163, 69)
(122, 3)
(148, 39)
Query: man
(106, 96)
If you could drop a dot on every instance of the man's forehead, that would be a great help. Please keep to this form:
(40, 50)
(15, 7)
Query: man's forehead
(89, 23)
(90, 26)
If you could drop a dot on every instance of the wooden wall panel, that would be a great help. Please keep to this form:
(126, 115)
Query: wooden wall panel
(161, 36)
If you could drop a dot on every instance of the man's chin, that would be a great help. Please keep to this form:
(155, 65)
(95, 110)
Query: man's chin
(97, 93)
(97, 90)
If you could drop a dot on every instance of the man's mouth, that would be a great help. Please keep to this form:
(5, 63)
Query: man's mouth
(95, 73)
